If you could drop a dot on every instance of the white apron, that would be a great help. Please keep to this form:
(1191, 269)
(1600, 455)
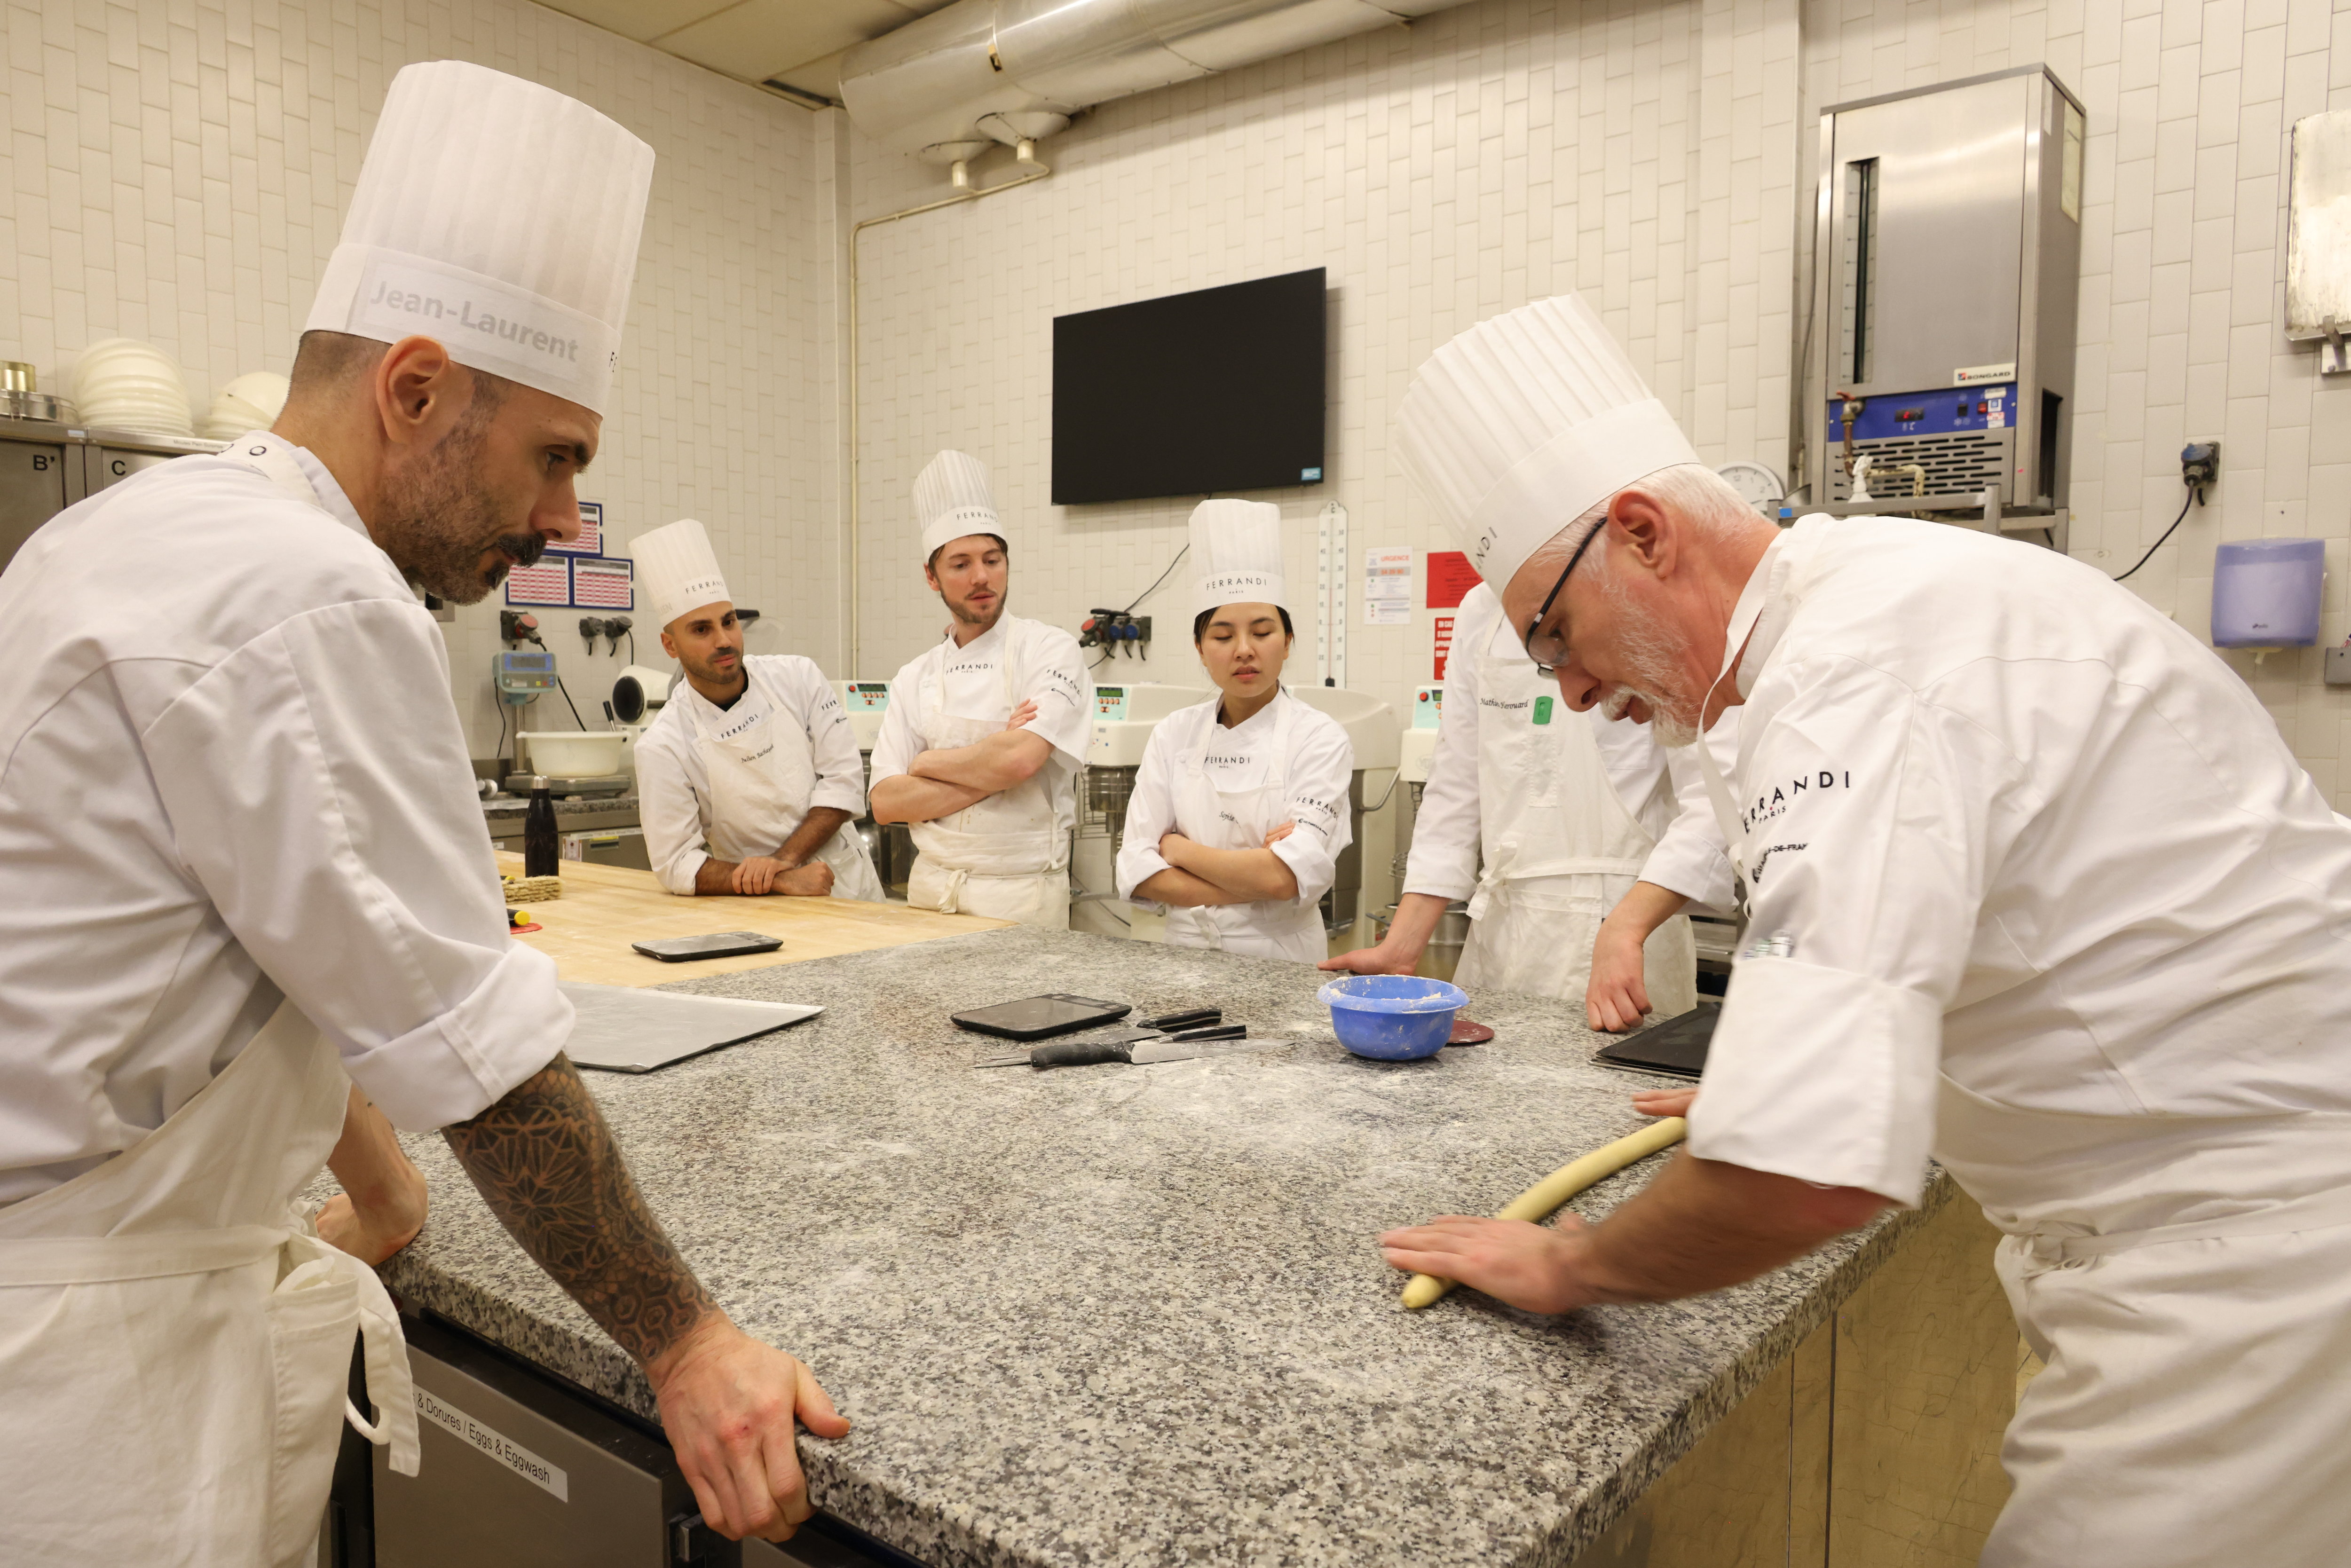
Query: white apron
(760, 780)
(1003, 857)
(175, 1339)
(1240, 819)
(2183, 1280)
(1559, 850)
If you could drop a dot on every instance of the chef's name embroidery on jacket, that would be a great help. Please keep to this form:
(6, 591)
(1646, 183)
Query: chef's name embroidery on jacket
(1782, 796)
(1756, 876)
(425, 308)
(1520, 706)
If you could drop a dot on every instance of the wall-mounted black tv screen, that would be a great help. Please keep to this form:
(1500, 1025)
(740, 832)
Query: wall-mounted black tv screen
(1213, 391)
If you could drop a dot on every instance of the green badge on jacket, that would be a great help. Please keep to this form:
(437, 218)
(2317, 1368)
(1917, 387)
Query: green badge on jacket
(1542, 710)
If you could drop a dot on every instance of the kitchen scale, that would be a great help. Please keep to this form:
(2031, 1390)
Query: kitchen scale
(562, 788)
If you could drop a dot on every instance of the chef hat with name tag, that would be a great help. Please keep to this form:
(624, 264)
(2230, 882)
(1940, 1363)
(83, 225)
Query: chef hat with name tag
(1524, 422)
(677, 569)
(1237, 555)
(952, 500)
(499, 218)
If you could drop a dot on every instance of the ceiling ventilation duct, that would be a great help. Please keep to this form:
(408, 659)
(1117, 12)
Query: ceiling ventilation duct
(1012, 70)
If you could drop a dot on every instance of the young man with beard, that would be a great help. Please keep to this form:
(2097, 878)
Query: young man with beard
(244, 857)
(2036, 889)
(980, 749)
(754, 758)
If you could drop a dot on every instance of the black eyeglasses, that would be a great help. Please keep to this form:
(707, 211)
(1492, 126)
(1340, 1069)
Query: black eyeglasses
(1548, 650)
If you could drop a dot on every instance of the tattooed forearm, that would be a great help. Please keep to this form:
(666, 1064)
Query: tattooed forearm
(545, 1162)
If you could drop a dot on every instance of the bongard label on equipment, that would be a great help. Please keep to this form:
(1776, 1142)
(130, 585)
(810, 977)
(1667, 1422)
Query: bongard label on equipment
(497, 1445)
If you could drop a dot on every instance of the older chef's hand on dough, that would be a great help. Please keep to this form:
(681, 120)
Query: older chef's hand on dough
(727, 1403)
(1527, 1266)
(1664, 1102)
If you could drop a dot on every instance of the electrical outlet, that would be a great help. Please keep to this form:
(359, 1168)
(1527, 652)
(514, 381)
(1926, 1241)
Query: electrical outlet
(2199, 465)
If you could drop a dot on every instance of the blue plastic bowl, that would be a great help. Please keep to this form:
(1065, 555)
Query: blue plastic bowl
(1392, 1017)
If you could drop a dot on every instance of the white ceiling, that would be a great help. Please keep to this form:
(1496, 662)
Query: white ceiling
(796, 42)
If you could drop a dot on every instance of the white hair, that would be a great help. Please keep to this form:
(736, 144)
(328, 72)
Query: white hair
(1697, 495)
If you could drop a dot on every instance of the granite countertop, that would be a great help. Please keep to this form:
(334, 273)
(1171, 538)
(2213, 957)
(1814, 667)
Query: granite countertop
(1135, 1314)
(565, 805)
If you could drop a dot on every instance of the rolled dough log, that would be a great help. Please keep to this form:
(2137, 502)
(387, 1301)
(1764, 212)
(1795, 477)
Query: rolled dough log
(1540, 1201)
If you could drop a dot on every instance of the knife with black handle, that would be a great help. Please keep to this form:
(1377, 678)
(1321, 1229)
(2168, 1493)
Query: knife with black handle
(1087, 1052)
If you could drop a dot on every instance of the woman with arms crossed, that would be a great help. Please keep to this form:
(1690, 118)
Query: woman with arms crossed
(1238, 813)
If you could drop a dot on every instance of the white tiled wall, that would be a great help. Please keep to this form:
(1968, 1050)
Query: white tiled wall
(2183, 230)
(176, 170)
(1644, 154)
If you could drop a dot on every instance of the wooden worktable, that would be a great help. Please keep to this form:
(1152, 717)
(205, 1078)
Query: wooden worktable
(604, 908)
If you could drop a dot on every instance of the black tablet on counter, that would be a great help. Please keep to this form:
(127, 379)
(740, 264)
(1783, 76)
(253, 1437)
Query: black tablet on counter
(1041, 1018)
(1676, 1047)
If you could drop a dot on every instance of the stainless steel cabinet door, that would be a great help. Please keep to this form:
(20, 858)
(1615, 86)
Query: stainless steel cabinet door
(112, 464)
(32, 490)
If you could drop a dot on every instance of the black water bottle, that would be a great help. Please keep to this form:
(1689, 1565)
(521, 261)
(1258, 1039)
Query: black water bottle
(539, 848)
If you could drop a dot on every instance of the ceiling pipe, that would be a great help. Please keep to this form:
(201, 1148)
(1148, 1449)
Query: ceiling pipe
(1014, 70)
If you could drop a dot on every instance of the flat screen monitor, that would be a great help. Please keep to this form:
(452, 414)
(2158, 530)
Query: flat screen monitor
(1218, 389)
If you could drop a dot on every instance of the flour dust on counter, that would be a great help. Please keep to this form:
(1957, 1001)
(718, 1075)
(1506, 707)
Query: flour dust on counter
(1109, 1314)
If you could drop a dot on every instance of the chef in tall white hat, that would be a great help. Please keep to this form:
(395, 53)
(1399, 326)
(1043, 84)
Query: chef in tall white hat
(271, 888)
(1239, 809)
(1575, 839)
(980, 748)
(749, 779)
(2035, 889)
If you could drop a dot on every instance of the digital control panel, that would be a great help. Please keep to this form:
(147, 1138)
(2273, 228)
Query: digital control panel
(1110, 702)
(866, 696)
(522, 677)
(1427, 704)
(1943, 411)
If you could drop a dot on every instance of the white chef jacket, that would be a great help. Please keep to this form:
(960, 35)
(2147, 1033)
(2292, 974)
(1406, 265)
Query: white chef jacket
(1317, 773)
(1048, 668)
(673, 784)
(230, 768)
(2019, 839)
(1661, 787)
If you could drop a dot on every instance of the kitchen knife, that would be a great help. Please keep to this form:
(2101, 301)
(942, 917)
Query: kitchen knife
(1086, 1052)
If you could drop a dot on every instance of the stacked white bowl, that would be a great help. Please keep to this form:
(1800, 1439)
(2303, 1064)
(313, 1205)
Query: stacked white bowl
(121, 383)
(252, 401)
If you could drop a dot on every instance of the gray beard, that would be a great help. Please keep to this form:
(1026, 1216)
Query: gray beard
(1650, 652)
(434, 519)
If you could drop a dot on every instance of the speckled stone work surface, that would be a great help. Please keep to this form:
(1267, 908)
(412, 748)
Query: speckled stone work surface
(1135, 1314)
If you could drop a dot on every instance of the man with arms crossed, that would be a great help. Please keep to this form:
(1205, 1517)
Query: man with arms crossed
(980, 750)
(245, 856)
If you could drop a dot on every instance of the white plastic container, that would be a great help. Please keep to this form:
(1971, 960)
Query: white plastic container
(575, 754)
